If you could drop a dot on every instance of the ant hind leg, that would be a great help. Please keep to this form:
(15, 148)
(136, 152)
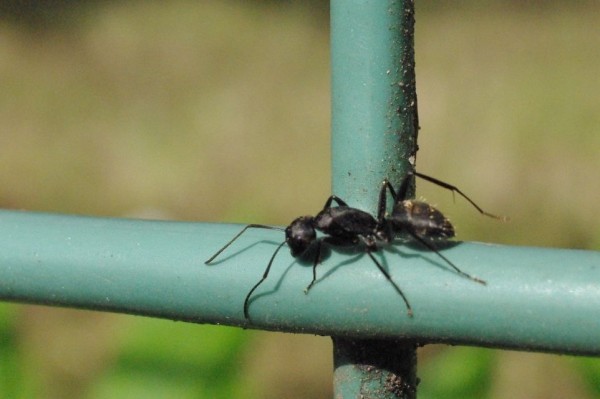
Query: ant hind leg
(455, 189)
(431, 247)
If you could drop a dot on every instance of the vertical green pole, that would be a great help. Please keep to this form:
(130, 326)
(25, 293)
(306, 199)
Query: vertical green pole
(374, 136)
(374, 103)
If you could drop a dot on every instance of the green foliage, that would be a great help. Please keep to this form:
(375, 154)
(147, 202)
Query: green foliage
(459, 373)
(162, 359)
(12, 383)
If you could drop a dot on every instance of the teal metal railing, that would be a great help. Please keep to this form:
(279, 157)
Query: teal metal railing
(157, 268)
(374, 137)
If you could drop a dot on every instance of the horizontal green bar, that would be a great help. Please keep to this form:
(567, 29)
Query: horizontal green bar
(536, 299)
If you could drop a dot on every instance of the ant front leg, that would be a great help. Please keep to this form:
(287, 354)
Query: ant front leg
(317, 261)
(263, 278)
(319, 249)
(315, 264)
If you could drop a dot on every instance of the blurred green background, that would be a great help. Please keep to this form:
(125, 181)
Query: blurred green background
(219, 111)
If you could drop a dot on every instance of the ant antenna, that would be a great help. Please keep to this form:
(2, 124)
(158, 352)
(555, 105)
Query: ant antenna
(258, 226)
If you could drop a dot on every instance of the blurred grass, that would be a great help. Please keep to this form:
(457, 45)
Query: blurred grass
(219, 111)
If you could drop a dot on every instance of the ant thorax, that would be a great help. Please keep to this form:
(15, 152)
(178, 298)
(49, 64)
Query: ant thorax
(345, 223)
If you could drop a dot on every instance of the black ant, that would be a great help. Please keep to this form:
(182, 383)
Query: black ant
(347, 226)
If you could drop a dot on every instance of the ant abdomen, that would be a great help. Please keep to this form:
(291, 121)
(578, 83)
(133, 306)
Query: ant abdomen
(421, 219)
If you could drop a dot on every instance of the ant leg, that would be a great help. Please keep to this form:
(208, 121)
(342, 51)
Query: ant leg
(457, 190)
(264, 277)
(389, 278)
(335, 198)
(452, 265)
(314, 268)
(371, 246)
(401, 195)
(260, 226)
(382, 203)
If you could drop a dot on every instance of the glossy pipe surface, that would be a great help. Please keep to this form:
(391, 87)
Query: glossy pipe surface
(536, 299)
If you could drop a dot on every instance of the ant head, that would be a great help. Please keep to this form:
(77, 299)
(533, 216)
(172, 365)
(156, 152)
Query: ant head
(300, 234)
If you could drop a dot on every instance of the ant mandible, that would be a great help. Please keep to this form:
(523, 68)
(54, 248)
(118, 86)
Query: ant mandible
(346, 226)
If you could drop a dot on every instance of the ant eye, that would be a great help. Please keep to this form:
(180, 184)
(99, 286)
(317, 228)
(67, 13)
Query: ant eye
(300, 234)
